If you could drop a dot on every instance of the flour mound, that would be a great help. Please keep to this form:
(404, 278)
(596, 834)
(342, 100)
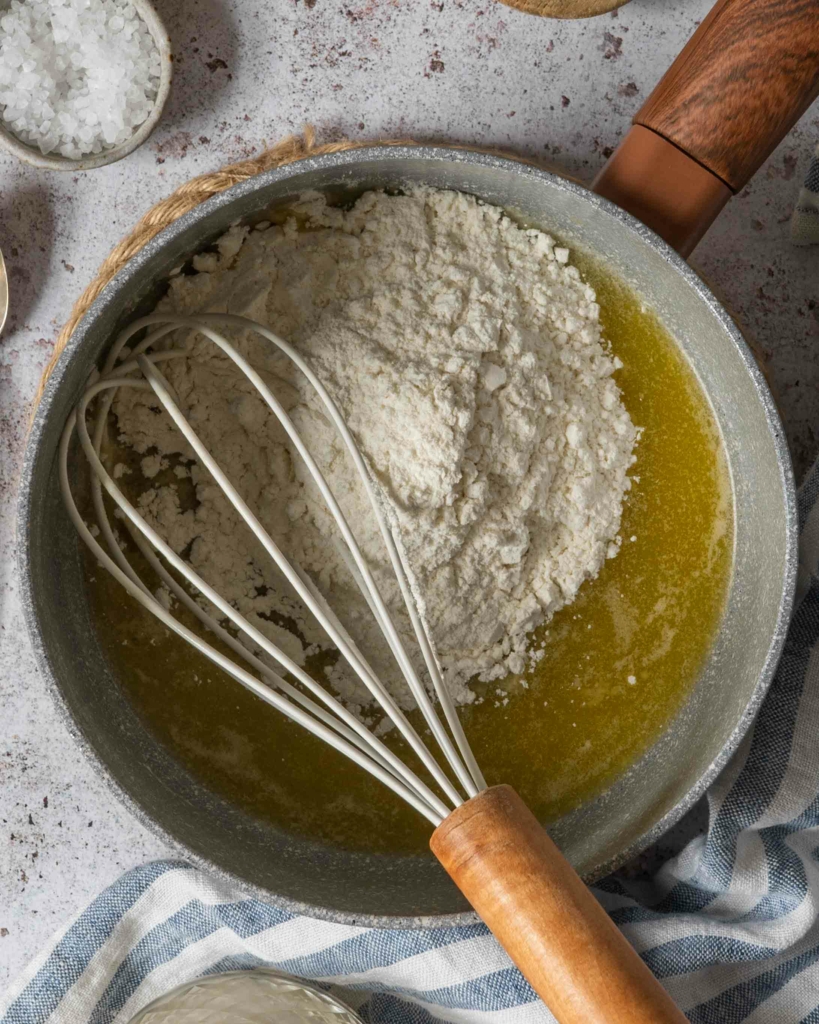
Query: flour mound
(466, 356)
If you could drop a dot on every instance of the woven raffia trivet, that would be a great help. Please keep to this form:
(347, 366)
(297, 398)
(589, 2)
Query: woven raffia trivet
(196, 191)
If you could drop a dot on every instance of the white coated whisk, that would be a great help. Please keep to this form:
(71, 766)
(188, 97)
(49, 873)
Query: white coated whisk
(488, 841)
(309, 704)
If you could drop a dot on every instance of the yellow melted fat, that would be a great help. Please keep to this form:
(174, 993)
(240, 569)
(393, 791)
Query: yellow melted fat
(618, 662)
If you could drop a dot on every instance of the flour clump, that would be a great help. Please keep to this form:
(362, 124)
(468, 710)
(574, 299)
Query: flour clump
(466, 355)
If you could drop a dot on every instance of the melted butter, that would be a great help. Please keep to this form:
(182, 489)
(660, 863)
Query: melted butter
(617, 663)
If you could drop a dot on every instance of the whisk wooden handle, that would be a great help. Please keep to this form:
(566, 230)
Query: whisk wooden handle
(545, 918)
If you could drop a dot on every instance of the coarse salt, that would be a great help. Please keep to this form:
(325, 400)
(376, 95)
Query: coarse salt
(76, 76)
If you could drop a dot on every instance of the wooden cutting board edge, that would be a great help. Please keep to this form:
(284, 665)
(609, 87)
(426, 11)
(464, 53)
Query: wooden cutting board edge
(565, 8)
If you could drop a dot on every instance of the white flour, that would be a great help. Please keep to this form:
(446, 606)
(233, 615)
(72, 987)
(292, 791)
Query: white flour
(466, 356)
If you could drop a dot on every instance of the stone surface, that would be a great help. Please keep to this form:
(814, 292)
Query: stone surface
(247, 71)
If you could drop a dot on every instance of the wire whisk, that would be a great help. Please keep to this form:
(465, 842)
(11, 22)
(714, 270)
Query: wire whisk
(486, 838)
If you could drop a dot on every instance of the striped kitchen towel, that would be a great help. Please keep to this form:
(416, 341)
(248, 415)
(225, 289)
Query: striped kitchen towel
(805, 219)
(730, 926)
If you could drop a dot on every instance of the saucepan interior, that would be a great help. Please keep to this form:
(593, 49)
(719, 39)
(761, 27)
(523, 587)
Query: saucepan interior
(409, 891)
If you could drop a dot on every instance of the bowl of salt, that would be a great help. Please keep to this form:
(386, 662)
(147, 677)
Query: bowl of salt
(82, 82)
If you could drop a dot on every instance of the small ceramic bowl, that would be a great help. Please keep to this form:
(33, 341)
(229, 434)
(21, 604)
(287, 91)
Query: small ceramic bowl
(55, 162)
(258, 995)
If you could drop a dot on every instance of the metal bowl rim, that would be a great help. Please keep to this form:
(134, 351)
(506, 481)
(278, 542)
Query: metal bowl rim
(349, 158)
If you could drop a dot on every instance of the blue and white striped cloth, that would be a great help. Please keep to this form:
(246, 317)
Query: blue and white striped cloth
(805, 219)
(730, 926)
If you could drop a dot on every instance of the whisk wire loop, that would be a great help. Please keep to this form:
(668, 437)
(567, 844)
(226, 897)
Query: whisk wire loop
(179, 592)
(266, 694)
(227, 610)
(470, 777)
(373, 684)
(334, 723)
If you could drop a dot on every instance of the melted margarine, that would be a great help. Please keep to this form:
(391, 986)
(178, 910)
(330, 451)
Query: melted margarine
(617, 663)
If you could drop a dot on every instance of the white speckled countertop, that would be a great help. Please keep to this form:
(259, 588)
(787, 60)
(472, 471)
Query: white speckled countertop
(248, 71)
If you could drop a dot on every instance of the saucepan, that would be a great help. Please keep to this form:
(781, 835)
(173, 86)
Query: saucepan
(747, 74)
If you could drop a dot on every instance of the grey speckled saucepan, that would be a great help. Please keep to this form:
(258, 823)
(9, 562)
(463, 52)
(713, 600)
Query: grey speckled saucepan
(411, 891)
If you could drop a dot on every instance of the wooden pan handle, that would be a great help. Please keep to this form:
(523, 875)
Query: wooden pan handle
(544, 917)
(743, 80)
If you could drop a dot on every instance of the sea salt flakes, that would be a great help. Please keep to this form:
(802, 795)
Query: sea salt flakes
(76, 76)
